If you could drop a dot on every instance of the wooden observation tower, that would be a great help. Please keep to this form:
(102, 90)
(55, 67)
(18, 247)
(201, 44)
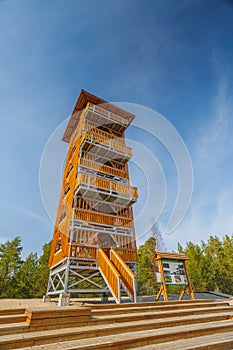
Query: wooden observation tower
(94, 244)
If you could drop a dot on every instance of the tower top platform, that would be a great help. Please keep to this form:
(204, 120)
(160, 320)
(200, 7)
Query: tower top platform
(84, 98)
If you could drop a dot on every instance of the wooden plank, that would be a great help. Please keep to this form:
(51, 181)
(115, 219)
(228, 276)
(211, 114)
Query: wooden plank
(12, 318)
(64, 311)
(148, 315)
(13, 328)
(151, 303)
(11, 311)
(140, 338)
(46, 337)
(222, 341)
(64, 321)
(157, 308)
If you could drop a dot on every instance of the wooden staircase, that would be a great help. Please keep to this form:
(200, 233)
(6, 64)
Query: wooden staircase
(116, 273)
(182, 325)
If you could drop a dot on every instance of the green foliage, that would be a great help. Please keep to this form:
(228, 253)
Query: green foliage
(22, 279)
(211, 264)
(10, 262)
(210, 268)
(195, 265)
(42, 272)
(147, 267)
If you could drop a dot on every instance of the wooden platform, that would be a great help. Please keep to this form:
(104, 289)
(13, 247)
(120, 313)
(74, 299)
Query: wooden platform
(201, 324)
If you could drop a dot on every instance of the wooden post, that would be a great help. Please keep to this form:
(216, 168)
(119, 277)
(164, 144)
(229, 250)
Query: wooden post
(176, 273)
(165, 296)
(159, 293)
(189, 283)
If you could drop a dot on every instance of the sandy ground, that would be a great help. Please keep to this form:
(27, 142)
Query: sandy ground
(26, 303)
(29, 303)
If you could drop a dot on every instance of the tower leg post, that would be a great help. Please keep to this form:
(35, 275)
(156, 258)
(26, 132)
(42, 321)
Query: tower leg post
(64, 299)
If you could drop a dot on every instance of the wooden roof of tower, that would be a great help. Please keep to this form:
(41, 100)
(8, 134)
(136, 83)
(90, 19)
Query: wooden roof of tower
(81, 103)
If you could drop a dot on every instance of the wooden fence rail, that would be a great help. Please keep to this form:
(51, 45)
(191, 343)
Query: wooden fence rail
(127, 275)
(110, 274)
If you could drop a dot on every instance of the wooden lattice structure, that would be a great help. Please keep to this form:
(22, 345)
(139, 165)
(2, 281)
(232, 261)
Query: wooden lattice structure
(94, 245)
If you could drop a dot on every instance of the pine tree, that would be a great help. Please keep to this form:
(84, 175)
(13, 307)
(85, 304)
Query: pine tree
(25, 278)
(147, 267)
(10, 262)
(195, 264)
(42, 272)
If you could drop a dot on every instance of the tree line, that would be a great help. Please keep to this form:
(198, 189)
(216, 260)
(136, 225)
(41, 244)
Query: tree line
(210, 267)
(22, 278)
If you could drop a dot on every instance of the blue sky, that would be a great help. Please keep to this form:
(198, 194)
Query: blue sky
(172, 56)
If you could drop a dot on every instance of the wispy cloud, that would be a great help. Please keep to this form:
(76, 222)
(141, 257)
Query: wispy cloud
(211, 206)
(33, 215)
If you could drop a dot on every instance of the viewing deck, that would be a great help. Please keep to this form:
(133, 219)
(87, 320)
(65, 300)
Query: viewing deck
(102, 218)
(104, 146)
(102, 116)
(97, 188)
(104, 170)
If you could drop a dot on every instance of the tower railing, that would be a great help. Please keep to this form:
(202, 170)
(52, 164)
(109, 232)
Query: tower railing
(98, 139)
(90, 125)
(103, 168)
(90, 204)
(99, 184)
(82, 251)
(127, 254)
(102, 218)
(98, 111)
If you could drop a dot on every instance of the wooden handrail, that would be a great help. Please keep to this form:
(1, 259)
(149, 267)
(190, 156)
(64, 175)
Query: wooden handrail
(82, 251)
(104, 168)
(107, 113)
(106, 184)
(127, 275)
(96, 206)
(93, 127)
(93, 156)
(101, 139)
(110, 274)
(127, 254)
(102, 218)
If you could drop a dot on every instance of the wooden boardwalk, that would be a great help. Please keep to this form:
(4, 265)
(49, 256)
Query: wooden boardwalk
(200, 324)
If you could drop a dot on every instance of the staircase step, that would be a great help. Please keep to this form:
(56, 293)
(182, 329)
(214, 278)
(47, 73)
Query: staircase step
(140, 338)
(46, 337)
(127, 317)
(156, 307)
(148, 303)
(11, 311)
(12, 318)
(13, 328)
(223, 341)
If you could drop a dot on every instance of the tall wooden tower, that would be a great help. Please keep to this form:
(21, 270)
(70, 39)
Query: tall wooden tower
(94, 244)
